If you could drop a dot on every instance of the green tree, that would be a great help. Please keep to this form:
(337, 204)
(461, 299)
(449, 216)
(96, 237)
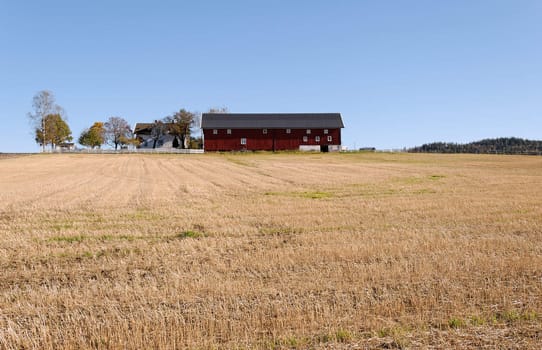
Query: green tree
(93, 136)
(129, 141)
(54, 131)
(44, 105)
(180, 124)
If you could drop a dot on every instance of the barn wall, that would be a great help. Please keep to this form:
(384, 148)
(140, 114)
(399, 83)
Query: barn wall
(275, 139)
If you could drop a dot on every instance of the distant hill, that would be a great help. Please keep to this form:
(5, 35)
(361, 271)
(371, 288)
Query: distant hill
(503, 145)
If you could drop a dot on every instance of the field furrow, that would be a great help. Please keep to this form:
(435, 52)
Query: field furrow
(270, 251)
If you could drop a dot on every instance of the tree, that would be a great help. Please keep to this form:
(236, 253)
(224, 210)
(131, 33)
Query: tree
(180, 124)
(222, 110)
(117, 131)
(197, 141)
(509, 145)
(53, 131)
(158, 130)
(93, 136)
(85, 138)
(44, 104)
(129, 141)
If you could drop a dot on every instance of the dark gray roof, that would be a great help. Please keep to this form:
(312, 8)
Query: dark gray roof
(146, 128)
(271, 120)
(140, 127)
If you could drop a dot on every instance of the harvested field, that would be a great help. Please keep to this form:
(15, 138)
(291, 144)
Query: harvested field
(270, 251)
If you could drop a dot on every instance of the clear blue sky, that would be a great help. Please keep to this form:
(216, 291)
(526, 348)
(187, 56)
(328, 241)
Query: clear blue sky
(402, 73)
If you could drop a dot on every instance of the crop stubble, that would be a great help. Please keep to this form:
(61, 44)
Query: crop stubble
(270, 251)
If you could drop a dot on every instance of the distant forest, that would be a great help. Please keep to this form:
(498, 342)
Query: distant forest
(504, 145)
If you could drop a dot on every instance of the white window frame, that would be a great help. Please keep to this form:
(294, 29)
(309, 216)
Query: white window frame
(264, 131)
(305, 139)
(326, 131)
(228, 131)
(215, 131)
(329, 138)
(317, 139)
(308, 131)
(243, 140)
(288, 131)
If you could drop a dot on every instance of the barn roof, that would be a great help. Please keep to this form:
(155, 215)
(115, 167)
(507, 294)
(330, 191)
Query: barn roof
(271, 120)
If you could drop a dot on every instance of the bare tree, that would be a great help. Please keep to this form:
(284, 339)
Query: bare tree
(117, 131)
(196, 125)
(158, 130)
(195, 130)
(217, 110)
(222, 109)
(44, 104)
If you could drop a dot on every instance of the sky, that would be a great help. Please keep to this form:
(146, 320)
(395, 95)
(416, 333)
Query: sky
(401, 73)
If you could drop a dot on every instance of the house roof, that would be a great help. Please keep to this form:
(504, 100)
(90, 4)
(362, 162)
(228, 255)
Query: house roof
(146, 128)
(271, 120)
(139, 127)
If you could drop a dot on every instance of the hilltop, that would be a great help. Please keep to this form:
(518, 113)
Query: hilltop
(503, 145)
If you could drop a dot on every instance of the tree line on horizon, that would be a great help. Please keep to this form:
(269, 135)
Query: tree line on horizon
(502, 145)
(50, 127)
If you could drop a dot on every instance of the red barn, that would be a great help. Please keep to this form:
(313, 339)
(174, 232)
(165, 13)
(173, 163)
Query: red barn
(271, 131)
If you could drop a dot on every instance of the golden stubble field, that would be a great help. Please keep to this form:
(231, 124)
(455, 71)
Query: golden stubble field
(270, 251)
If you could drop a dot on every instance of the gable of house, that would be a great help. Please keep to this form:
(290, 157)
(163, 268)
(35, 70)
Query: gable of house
(143, 132)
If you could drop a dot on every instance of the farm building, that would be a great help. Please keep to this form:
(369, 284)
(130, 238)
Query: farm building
(162, 138)
(66, 146)
(272, 131)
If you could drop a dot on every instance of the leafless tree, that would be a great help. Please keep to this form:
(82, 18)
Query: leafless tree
(196, 124)
(44, 104)
(117, 131)
(222, 109)
(158, 130)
